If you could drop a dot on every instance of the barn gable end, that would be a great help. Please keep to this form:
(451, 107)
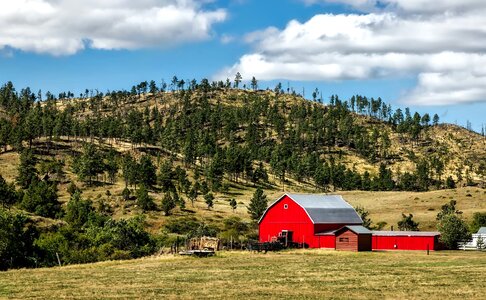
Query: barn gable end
(309, 217)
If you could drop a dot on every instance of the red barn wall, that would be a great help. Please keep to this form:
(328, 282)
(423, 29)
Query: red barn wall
(294, 218)
(404, 242)
(327, 227)
(326, 241)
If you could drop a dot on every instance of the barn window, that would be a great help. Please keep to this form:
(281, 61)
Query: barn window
(344, 240)
(286, 206)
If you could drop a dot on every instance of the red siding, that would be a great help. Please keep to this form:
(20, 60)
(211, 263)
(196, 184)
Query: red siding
(404, 242)
(294, 218)
(326, 241)
(327, 227)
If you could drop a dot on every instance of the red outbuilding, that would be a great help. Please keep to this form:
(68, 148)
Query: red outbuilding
(405, 240)
(353, 238)
(308, 219)
(327, 221)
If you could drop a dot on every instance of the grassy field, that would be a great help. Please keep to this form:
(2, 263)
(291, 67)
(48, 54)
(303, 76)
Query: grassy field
(310, 274)
(388, 206)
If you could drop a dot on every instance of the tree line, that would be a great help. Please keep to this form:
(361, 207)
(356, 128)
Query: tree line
(296, 139)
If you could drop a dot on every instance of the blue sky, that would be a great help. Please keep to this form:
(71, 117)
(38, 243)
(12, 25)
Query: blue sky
(342, 47)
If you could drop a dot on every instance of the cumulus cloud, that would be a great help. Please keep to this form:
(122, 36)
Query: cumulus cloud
(64, 27)
(410, 6)
(445, 50)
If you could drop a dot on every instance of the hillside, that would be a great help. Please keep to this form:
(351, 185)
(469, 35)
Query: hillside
(162, 154)
(460, 150)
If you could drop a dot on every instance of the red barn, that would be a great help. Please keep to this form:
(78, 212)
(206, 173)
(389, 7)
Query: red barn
(308, 219)
(405, 240)
(327, 221)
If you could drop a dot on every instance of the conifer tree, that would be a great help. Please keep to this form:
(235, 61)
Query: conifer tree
(209, 199)
(168, 204)
(8, 196)
(27, 173)
(147, 172)
(258, 204)
(233, 204)
(144, 201)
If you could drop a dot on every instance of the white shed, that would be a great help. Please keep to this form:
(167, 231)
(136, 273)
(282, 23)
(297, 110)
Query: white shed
(473, 244)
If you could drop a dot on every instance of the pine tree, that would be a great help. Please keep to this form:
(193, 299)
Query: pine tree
(435, 120)
(144, 201)
(364, 214)
(147, 172)
(422, 174)
(168, 204)
(237, 79)
(78, 211)
(258, 204)
(41, 198)
(209, 199)
(233, 204)
(89, 164)
(193, 193)
(111, 166)
(8, 196)
(128, 166)
(254, 83)
(27, 173)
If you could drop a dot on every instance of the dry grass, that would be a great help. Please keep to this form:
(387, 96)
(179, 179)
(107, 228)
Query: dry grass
(302, 274)
(383, 206)
(8, 165)
(388, 206)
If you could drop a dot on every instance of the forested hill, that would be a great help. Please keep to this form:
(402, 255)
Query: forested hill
(225, 133)
(124, 174)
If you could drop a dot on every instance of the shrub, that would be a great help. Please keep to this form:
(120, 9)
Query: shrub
(407, 223)
(453, 230)
(41, 198)
(144, 200)
(16, 241)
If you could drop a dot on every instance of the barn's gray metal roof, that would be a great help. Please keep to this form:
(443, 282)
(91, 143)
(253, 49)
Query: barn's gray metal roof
(327, 209)
(404, 233)
(482, 230)
(324, 209)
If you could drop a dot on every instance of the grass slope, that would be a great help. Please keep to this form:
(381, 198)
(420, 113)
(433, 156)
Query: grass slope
(461, 148)
(383, 206)
(302, 274)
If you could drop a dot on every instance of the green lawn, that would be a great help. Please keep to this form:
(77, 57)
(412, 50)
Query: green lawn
(297, 274)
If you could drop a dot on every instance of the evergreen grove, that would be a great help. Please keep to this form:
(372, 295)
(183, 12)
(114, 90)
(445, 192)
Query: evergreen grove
(201, 145)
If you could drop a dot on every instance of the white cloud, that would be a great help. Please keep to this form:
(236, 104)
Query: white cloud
(410, 6)
(64, 27)
(445, 50)
(226, 39)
